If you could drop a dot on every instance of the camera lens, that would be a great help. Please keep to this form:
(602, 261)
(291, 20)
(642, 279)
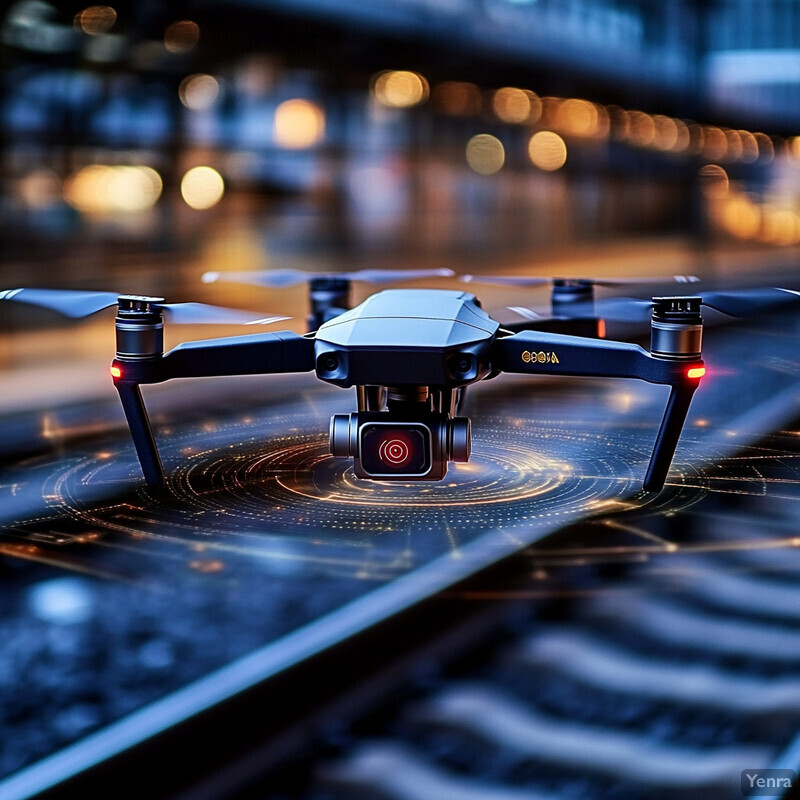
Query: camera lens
(397, 449)
(462, 366)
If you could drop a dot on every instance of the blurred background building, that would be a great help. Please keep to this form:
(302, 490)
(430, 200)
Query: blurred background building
(146, 139)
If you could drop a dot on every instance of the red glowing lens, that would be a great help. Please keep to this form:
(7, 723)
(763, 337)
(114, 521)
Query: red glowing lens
(395, 450)
(402, 448)
(696, 372)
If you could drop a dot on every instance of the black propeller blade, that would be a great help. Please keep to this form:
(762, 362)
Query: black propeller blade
(282, 278)
(735, 303)
(76, 304)
(530, 280)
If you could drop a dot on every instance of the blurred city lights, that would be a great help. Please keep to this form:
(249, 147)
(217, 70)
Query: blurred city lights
(620, 124)
(684, 136)
(181, 37)
(202, 187)
(457, 98)
(577, 118)
(299, 124)
(400, 88)
(516, 105)
(485, 153)
(547, 150)
(642, 130)
(199, 92)
(741, 216)
(255, 75)
(786, 227)
(766, 149)
(734, 145)
(102, 189)
(666, 132)
(713, 181)
(40, 189)
(715, 143)
(96, 20)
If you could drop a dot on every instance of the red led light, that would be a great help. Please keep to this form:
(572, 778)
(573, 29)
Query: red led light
(116, 372)
(695, 372)
(601, 329)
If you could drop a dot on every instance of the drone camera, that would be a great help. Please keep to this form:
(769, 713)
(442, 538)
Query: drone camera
(384, 447)
(332, 365)
(676, 328)
(463, 366)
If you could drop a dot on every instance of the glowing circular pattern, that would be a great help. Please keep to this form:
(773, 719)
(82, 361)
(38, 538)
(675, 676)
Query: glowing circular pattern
(395, 452)
(264, 485)
(253, 475)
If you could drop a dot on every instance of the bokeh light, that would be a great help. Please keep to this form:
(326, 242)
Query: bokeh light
(741, 216)
(103, 189)
(715, 143)
(95, 20)
(547, 150)
(642, 128)
(299, 124)
(666, 137)
(485, 153)
(458, 98)
(400, 88)
(577, 118)
(785, 227)
(199, 92)
(181, 37)
(39, 189)
(749, 147)
(766, 149)
(202, 187)
(516, 105)
(713, 181)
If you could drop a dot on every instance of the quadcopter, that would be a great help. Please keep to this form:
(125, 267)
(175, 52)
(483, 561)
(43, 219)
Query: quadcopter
(410, 354)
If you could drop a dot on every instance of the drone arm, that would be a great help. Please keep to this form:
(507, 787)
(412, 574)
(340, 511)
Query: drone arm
(547, 354)
(265, 353)
(542, 353)
(256, 354)
(666, 443)
(141, 432)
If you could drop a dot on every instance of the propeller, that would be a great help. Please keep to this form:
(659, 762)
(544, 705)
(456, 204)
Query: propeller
(735, 303)
(282, 278)
(528, 313)
(530, 280)
(76, 304)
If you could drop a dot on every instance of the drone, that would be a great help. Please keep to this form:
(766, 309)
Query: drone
(411, 354)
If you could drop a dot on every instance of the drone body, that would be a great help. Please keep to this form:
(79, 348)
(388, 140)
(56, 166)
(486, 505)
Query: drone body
(429, 337)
